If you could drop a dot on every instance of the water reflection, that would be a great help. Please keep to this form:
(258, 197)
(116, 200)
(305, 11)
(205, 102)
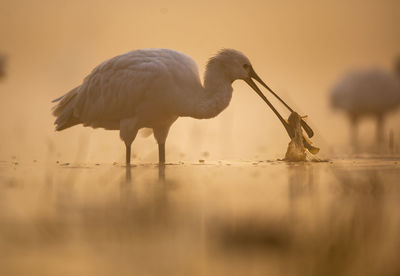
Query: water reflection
(161, 173)
(126, 189)
(333, 226)
(292, 219)
(350, 225)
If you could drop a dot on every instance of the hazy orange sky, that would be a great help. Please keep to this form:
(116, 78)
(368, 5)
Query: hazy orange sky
(300, 48)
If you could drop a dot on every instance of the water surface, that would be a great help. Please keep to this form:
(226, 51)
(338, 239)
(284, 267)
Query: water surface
(213, 218)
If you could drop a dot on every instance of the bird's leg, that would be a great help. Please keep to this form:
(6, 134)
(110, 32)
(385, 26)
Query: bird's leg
(161, 153)
(128, 154)
(353, 131)
(127, 132)
(161, 133)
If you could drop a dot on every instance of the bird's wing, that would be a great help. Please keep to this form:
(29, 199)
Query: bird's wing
(115, 88)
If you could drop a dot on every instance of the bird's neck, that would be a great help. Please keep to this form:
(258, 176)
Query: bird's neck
(216, 94)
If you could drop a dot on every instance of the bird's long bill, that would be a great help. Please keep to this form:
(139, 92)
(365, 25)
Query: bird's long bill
(252, 84)
(306, 127)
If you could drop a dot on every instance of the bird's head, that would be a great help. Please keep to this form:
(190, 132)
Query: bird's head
(236, 66)
(233, 64)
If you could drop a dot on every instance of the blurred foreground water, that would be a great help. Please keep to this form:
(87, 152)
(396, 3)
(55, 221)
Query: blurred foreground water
(250, 218)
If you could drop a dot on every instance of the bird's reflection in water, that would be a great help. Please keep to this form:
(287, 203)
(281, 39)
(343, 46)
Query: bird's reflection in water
(126, 190)
(161, 173)
(126, 186)
(128, 173)
(147, 198)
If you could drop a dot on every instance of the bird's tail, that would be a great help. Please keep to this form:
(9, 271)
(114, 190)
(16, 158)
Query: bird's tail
(64, 110)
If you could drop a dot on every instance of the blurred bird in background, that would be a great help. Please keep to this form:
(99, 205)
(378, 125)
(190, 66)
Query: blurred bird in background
(371, 92)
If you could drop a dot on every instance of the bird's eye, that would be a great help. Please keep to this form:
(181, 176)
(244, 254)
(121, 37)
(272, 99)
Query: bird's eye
(246, 66)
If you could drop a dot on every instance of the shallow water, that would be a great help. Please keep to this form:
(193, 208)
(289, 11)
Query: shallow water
(211, 218)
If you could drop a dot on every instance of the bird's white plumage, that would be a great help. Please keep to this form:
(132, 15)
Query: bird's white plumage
(367, 92)
(150, 88)
(125, 85)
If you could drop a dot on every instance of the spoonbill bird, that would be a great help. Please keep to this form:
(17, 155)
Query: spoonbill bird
(151, 88)
(371, 92)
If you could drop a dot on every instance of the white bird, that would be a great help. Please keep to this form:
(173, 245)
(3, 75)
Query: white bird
(371, 92)
(151, 88)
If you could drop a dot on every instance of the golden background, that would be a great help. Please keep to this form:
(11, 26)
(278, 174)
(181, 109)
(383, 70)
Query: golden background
(299, 48)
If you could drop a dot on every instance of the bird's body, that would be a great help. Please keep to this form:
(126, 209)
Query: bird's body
(151, 88)
(372, 92)
(146, 88)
